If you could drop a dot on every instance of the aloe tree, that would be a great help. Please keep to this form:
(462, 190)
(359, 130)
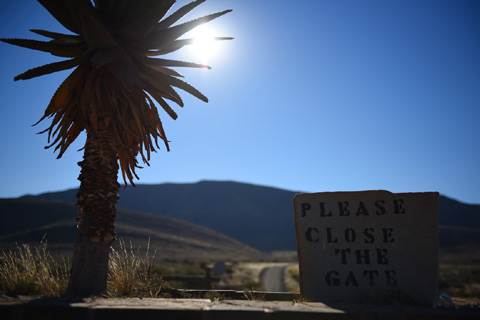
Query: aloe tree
(113, 93)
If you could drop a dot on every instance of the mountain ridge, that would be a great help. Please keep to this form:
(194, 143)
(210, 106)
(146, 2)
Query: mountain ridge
(241, 210)
(171, 238)
(258, 216)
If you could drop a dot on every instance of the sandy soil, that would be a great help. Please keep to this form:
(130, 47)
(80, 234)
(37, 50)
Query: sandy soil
(246, 275)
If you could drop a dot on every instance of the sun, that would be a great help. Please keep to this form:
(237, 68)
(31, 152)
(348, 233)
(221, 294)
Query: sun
(204, 47)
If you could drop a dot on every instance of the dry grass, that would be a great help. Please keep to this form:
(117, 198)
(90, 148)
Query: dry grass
(460, 280)
(28, 271)
(32, 271)
(131, 275)
(292, 278)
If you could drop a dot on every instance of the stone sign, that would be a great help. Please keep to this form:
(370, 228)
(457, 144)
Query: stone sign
(368, 246)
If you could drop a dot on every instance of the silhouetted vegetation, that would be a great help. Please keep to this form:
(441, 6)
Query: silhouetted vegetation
(460, 280)
(31, 271)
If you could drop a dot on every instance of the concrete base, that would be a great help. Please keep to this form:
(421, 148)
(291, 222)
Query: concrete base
(201, 309)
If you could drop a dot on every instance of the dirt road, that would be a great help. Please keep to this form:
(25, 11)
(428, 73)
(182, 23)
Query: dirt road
(273, 279)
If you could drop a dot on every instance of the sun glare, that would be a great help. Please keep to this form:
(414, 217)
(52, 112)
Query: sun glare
(204, 47)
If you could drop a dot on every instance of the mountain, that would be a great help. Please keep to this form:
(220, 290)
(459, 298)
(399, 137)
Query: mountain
(258, 216)
(28, 220)
(454, 213)
(261, 217)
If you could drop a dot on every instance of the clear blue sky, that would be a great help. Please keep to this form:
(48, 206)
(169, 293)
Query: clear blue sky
(310, 96)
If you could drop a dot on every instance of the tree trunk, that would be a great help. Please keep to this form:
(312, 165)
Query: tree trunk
(96, 200)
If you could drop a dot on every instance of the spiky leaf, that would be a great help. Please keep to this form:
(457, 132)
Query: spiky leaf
(61, 37)
(59, 9)
(49, 68)
(143, 17)
(177, 15)
(95, 32)
(56, 49)
(164, 37)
